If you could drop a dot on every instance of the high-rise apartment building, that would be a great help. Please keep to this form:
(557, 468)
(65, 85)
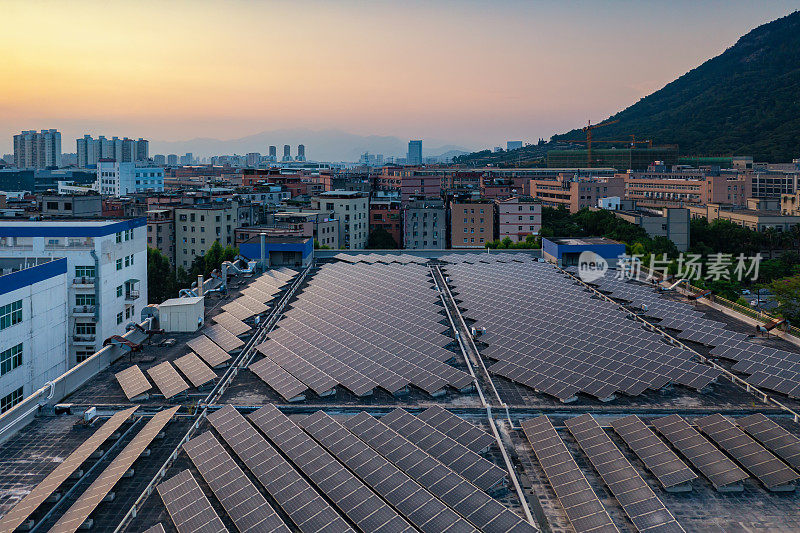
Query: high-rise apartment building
(513, 145)
(198, 226)
(287, 152)
(414, 152)
(273, 153)
(160, 160)
(253, 159)
(125, 150)
(172, 160)
(424, 225)
(301, 152)
(187, 158)
(351, 208)
(106, 272)
(37, 150)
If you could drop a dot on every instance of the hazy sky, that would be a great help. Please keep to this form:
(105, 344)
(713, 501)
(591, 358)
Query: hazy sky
(470, 73)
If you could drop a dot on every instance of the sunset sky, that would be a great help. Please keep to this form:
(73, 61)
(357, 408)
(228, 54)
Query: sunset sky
(469, 73)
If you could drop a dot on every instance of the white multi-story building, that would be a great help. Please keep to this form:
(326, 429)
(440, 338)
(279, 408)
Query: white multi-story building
(118, 179)
(351, 208)
(89, 151)
(106, 272)
(33, 326)
(34, 149)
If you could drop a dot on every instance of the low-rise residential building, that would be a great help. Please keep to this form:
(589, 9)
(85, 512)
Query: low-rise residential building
(471, 223)
(386, 214)
(161, 232)
(574, 191)
(70, 205)
(424, 225)
(34, 320)
(754, 219)
(518, 217)
(351, 208)
(790, 204)
(119, 179)
(669, 222)
(197, 227)
(106, 272)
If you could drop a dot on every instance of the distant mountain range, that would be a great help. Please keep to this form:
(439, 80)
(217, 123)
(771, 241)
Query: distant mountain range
(321, 145)
(746, 101)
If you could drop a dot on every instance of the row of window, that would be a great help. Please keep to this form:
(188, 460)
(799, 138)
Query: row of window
(10, 359)
(129, 311)
(128, 260)
(10, 400)
(85, 272)
(10, 314)
(127, 235)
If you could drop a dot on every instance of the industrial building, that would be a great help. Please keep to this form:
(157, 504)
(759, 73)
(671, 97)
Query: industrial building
(622, 159)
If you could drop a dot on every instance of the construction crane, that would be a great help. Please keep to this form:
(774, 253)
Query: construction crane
(588, 129)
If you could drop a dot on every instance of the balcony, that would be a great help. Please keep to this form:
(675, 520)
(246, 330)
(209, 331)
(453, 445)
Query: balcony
(83, 282)
(83, 310)
(131, 295)
(84, 339)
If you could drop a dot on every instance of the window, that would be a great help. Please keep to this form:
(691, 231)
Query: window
(7, 402)
(127, 260)
(119, 264)
(127, 312)
(119, 291)
(10, 359)
(81, 356)
(10, 314)
(84, 299)
(119, 236)
(84, 272)
(119, 317)
(54, 205)
(85, 328)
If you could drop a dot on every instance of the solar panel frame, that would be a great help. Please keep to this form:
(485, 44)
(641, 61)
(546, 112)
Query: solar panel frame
(231, 323)
(133, 381)
(157, 528)
(86, 503)
(28, 504)
(457, 428)
(773, 436)
(636, 498)
(244, 504)
(167, 379)
(289, 387)
(195, 369)
(187, 505)
(581, 504)
(223, 338)
(208, 350)
(659, 459)
(763, 465)
(299, 500)
(723, 473)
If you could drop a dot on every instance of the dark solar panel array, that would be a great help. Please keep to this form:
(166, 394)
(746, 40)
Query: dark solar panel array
(222, 337)
(402, 258)
(195, 369)
(307, 509)
(712, 463)
(457, 428)
(637, 499)
(549, 333)
(242, 501)
(484, 474)
(656, 456)
(420, 507)
(580, 503)
(289, 387)
(770, 470)
(774, 437)
(188, 507)
(365, 326)
(470, 502)
(770, 368)
(357, 501)
(210, 352)
(231, 323)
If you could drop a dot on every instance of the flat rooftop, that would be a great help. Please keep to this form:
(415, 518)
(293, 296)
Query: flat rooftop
(342, 320)
(577, 241)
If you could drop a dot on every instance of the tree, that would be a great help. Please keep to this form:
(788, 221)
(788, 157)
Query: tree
(787, 294)
(161, 283)
(318, 246)
(380, 239)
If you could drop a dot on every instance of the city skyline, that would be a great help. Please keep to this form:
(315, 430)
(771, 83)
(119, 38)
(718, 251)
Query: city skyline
(524, 77)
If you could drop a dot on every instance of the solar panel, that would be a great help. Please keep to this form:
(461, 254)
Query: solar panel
(457, 428)
(656, 456)
(776, 438)
(167, 379)
(314, 378)
(770, 470)
(245, 505)
(422, 508)
(642, 506)
(195, 369)
(158, 528)
(231, 323)
(188, 507)
(482, 510)
(580, 503)
(360, 504)
(712, 463)
(224, 338)
(133, 382)
(289, 387)
(208, 350)
(307, 509)
(238, 310)
(484, 474)
(22, 510)
(77, 514)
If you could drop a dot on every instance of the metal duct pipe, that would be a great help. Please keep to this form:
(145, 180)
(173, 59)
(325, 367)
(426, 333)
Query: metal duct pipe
(263, 252)
(200, 285)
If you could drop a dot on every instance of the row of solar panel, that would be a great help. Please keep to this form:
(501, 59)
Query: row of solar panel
(325, 475)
